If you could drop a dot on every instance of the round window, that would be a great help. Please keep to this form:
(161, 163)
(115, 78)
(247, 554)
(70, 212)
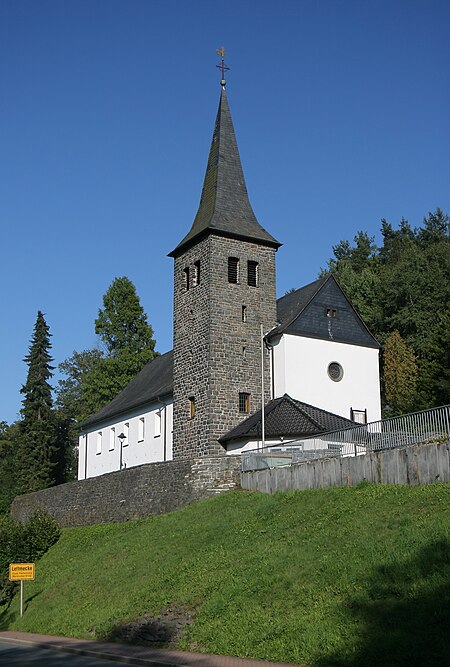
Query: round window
(335, 371)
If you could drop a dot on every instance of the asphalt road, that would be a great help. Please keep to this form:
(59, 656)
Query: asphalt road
(18, 655)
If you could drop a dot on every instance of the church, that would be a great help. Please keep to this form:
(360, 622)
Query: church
(246, 370)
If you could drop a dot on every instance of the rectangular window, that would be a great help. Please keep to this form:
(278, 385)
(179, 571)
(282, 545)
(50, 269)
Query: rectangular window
(331, 312)
(233, 270)
(196, 276)
(358, 416)
(126, 432)
(158, 423)
(244, 403)
(99, 442)
(191, 407)
(252, 273)
(141, 429)
(112, 438)
(186, 278)
(244, 313)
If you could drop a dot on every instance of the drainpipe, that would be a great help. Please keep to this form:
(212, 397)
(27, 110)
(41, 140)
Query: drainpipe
(85, 454)
(165, 426)
(264, 343)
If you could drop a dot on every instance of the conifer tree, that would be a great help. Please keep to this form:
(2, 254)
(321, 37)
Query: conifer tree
(399, 375)
(37, 449)
(122, 323)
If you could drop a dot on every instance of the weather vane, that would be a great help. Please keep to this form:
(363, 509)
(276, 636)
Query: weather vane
(222, 66)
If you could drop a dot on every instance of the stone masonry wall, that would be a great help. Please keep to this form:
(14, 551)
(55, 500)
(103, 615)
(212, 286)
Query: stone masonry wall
(134, 493)
(216, 354)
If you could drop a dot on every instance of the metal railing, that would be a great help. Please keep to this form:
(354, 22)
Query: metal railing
(427, 426)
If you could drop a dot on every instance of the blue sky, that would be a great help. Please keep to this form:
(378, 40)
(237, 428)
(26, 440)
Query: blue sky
(341, 110)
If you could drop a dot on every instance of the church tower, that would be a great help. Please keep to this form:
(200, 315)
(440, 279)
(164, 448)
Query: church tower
(224, 290)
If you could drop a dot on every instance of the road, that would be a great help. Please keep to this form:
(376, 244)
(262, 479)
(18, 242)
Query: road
(15, 654)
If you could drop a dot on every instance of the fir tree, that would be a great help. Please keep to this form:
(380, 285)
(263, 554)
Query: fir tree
(37, 448)
(122, 323)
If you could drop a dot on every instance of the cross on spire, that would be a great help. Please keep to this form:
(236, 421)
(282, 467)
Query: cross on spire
(222, 66)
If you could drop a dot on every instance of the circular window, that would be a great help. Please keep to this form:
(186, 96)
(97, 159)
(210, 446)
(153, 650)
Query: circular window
(335, 371)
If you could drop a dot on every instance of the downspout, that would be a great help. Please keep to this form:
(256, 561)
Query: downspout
(85, 454)
(165, 427)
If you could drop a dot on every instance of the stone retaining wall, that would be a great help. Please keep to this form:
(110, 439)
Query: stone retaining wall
(134, 493)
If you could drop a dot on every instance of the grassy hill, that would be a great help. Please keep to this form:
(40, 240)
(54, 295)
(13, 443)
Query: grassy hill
(324, 577)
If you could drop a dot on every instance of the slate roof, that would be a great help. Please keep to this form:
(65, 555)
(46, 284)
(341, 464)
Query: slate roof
(302, 312)
(292, 304)
(224, 207)
(287, 417)
(153, 381)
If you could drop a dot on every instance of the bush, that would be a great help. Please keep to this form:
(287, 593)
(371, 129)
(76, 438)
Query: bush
(22, 544)
(40, 533)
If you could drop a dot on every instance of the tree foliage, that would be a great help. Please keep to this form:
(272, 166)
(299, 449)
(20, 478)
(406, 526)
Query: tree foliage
(37, 440)
(94, 377)
(399, 375)
(23, 543)
(36, 452)
(8, 466)
(122, 323)
(404, 286)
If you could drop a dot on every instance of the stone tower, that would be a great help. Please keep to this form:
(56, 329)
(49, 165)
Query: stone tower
(224, 290)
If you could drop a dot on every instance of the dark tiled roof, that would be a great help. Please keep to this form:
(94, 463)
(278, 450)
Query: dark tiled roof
(303, 313)
(153, 381)
(287, 417)
(224, 207)
(292, 304)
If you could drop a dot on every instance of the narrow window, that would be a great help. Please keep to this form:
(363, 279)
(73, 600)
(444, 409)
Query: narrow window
(196, 276)
(252, 273)
(191, 407)
(141, 429)
(233, 270)
(112, 438)
(186, 278)
(244, 352)
(99, 442)
(244, 403)
(330, 312)
(126, 432)
(244, 313)
(157, 423)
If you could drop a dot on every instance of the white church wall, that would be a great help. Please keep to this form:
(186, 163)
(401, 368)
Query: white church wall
(301, 370)
(148, 439)
(244, 445)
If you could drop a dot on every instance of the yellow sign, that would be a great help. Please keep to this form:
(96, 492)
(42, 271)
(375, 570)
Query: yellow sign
(18, 571)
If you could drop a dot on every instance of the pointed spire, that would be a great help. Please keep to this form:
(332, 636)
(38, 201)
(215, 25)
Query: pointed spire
(224, 207)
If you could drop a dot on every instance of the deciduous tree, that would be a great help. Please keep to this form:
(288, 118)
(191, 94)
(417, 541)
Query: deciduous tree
(399, 375)
(95, 377)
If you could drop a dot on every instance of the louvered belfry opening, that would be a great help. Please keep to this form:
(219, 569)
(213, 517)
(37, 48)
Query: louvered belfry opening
(233, 270)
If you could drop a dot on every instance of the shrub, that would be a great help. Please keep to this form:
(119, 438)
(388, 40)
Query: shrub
(40, 533)
(23, 543)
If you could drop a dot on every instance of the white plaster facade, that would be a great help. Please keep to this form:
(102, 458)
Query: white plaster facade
(148, 439)
(300, 369)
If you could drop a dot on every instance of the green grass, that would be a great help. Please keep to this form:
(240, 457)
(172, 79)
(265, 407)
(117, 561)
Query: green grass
(324, 577)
